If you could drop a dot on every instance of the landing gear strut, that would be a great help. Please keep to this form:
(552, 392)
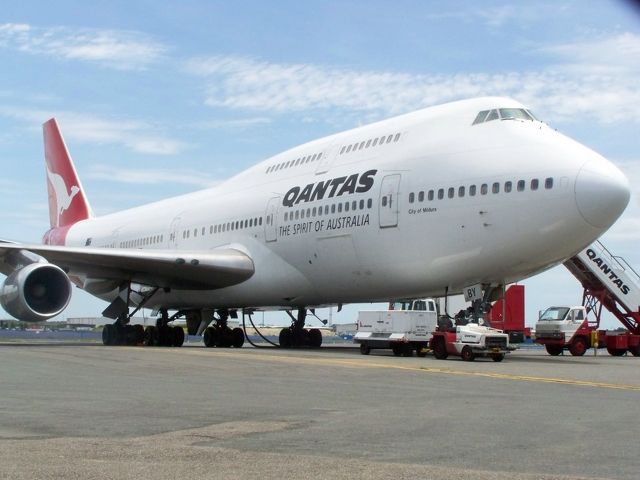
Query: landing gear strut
(162, 334)
(221, 335)
(296, 335)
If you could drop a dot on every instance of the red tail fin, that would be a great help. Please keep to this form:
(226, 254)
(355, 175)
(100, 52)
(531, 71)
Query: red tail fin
(67, 201)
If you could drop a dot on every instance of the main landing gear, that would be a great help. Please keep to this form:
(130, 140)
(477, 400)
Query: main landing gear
(297, 336)
(221, 335)
(121, 332)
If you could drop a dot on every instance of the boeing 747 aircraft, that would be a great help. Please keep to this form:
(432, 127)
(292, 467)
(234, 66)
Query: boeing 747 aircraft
(423, 204)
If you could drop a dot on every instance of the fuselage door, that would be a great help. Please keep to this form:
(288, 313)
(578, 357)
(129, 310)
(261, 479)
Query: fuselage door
(173, 233)
(326, 160)
(271, 220)
(388, 204)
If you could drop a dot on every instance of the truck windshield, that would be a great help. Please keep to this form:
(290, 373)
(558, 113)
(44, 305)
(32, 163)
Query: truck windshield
(554, 313)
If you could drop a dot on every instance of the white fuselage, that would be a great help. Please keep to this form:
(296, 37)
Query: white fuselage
(396, 239)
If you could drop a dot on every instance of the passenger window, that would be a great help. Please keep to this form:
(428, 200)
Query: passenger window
(461, 191)
(361, 204)
(496, 188)
(397, 137)
(421, 197)
(412, 197)
(369, 203)
(484, 189)
(440, 193)
(521, 185)
(383, 204)
(480, 117)
(354, 205)
(430, 195)
(361, 146)
(313, 212)
(319, 155)
(260, 221)
(382, 140)
(534, 184)
(472, 190)
(302, 213)
(326, 209)
(333, 208)
(507, 187)
(313, 159)
(346, 206)
(286, 216)
(348, 149)
(389, 138)
(195, 232)
(548, 183)
(375, 142)
(342, 150)
(384, 201)
(368, 144)
(451, 192)
(319, 211)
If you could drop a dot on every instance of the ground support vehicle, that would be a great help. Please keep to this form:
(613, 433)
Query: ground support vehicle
(405, 327)
(470, 341)
(508, 315)
(608, 282)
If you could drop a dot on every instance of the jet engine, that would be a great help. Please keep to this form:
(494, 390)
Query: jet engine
(36, 292)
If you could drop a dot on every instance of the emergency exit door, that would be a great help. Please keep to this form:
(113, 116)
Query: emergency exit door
(388, 205)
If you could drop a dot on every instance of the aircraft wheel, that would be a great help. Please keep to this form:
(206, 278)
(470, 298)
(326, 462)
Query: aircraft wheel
(210, 337)
(177, 336)
(365, 349)
(554, 350)
(285, 338)
(578, 347)
(237, 337)
(439, 349)
(497, 357)
(467, 354)
(315, 338)
(138, 334)
(151, 336)
(108, 334)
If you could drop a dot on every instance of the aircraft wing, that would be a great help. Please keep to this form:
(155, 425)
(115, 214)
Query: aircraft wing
(212, 269)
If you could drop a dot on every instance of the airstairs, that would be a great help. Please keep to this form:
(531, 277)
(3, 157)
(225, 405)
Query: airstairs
(610, 282)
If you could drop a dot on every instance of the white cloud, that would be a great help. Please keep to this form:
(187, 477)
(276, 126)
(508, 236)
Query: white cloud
(123, 50)
(132, 134)
(147, 176)
(573, 88)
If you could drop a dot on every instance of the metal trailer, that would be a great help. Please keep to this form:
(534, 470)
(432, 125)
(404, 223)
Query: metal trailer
(405, 327)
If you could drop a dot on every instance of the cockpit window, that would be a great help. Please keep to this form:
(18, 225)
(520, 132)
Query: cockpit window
(481, 116)
(514, 114)
(493, 115)
(504, 114)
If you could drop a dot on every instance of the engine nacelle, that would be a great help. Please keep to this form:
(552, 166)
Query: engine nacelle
(36, 293)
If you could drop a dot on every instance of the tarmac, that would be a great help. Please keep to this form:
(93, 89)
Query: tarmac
(85, 411)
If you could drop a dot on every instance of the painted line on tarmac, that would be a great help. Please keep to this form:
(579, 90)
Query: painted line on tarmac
(435, 370)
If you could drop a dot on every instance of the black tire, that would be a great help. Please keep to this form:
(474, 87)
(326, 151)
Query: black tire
(554, 350)
(578, 347)
(237, 337)
(138, 334)
(165, 336)
(315, 338)
(285, 338)
(407, 350)
(396, 349)
(151, 336)
(210, 337)
(224, 338)
(616, 352)
(177, 336)
(497, 357)
(439, 349)
(108, 334)
(365, 349)
(635, 351)
(467, 354)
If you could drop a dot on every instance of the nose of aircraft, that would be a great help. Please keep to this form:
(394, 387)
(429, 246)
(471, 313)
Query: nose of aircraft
(602, 192)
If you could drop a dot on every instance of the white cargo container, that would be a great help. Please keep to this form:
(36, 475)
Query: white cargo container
(406, 326)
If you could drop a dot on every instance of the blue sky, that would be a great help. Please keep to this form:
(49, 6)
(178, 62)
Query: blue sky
(157, 99)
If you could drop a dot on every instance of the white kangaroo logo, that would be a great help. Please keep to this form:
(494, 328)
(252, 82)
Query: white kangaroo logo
(63, 197)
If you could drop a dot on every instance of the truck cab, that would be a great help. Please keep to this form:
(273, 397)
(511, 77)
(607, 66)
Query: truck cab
(564, 327)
